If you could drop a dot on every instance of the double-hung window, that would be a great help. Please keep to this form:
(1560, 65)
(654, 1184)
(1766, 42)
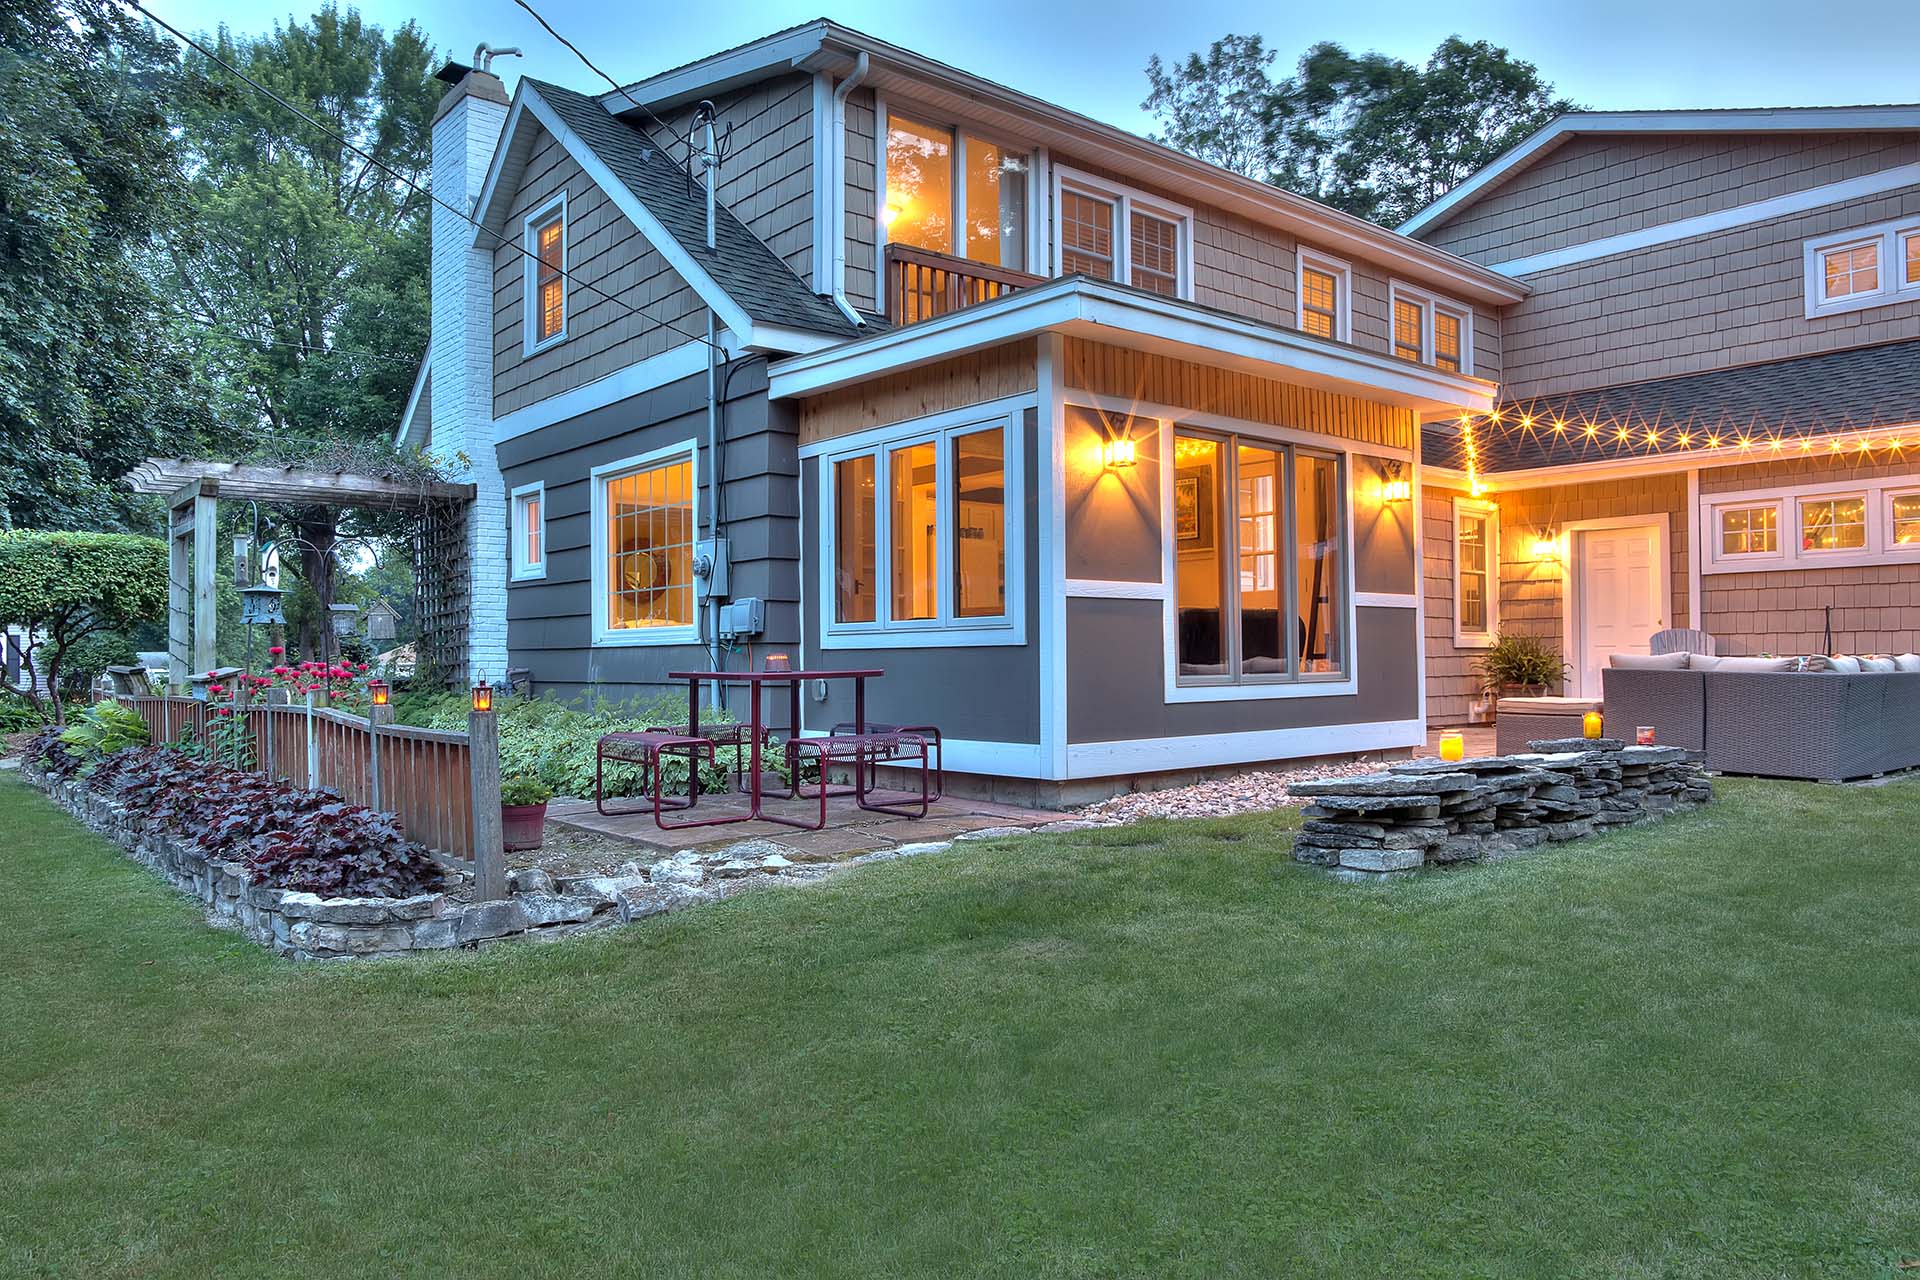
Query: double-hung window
(529, 531)
(1325, 296)
(545, 264)
(923, 538)
(1110, 232)
(1259, 561)
(1430, 330)
(952, 192)
(1476, 573)
(645, 518)
(1865, 267)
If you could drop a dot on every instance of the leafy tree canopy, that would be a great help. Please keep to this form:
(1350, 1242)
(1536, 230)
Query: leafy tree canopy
(1366, 133)
(94, 373)
(63, 587)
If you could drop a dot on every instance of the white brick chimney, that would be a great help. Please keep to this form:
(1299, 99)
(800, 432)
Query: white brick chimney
(466, 129)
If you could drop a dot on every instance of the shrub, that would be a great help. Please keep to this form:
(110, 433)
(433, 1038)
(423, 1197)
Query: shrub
(310, 841)
(53, 756)
(102, 729)
(17, 714)
(1520, 659)
(524, 790)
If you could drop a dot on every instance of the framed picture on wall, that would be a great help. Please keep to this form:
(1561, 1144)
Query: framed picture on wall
(1193, 508)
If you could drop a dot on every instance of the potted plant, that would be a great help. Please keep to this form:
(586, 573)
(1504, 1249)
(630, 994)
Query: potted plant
(523, 811)
(1520, 666)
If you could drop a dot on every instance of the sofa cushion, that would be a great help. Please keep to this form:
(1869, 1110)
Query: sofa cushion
(1649, 661)
(1701, 662)
(1843, 663)
(1878, 664)
(1907, 662)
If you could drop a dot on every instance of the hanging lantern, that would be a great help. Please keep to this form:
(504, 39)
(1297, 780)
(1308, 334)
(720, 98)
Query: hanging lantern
(346, 618)
(261, 605)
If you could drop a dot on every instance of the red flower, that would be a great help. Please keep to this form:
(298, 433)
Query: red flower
(216, 688)
(277, 650)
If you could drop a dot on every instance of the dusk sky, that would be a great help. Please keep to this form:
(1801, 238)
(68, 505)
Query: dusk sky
(1621, 54)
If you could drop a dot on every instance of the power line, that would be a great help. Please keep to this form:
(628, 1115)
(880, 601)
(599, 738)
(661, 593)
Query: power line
(617, 86)
(402, 178)
(210, 326)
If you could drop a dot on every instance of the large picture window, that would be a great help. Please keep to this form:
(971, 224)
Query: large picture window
(1258, 534)
(646, 517)
(923, 539)
(951, 192)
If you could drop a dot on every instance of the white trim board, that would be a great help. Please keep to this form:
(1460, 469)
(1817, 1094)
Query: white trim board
(1386, 600)
(671, 365)
(869, 436)
(1576, 123)
(1155, 755)
(404, 435)
(1707, 224)
(1108, 589)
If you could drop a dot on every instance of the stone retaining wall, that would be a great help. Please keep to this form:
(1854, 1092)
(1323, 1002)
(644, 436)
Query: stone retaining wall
(1433, 812)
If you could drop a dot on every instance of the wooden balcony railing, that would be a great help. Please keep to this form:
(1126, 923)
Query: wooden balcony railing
(922, 284)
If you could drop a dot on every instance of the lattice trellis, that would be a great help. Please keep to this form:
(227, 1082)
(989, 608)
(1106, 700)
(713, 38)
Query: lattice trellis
(441, 595)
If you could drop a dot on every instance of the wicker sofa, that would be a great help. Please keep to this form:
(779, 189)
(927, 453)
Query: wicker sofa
(1820, 725)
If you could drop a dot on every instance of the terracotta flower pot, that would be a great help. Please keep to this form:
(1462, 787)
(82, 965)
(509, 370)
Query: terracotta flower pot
(523, 826)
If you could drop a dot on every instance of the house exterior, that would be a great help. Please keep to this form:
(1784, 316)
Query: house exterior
(1117, 463)
(1710, 410)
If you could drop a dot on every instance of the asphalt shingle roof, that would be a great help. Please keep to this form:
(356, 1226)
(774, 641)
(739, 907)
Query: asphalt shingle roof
(750, 273)
(1807, 398)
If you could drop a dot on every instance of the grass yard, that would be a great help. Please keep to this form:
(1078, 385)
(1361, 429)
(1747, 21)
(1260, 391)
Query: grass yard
(1686, 1050)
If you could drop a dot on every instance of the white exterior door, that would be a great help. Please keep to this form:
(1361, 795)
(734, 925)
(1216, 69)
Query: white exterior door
(1621, 600)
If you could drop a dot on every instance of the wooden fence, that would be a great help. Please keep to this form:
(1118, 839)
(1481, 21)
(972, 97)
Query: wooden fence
(425, 774)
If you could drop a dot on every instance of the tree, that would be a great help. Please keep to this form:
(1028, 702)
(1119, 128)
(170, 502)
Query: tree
(62, 588)
(309, 268)
(1366, 133)
(94, 374)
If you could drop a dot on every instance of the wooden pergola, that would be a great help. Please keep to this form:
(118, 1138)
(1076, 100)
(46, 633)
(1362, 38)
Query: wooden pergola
(193, 489)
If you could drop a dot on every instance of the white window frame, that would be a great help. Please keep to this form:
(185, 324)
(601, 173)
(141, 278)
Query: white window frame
(1342, 272)
(1036, 156)
(530, 277)
(947, 629)
(1715, 540)
(1430, 304)
(598, 479)
(1869, 541)
(1291, 684)
(524, 569)
(1881, 549)
(1125, 200)
(1463, 638)
(1891, 240)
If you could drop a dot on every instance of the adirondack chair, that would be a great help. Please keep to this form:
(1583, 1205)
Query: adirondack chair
(1682, 640)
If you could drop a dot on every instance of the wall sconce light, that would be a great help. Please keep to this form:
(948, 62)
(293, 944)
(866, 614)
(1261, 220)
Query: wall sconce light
(1118, 452)
(1395, 487)
(483, 697)
(1546, 547)
(379, 691)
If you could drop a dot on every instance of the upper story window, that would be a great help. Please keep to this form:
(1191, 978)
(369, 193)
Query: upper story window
(645, 512)
(1867, 267)
(1111, 232)
(1431, 330)
(1325, 296)
(529, 532)
(1258, 560)
(923, 536)
(951, 192)
(546, 267)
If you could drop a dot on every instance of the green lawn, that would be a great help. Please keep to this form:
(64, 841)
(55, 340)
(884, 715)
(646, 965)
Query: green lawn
(1686, 1050)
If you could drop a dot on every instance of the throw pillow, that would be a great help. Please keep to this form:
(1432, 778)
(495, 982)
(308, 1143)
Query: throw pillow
(1701, 662)
(1907, 662)
(1650, 661)
(1877, 664)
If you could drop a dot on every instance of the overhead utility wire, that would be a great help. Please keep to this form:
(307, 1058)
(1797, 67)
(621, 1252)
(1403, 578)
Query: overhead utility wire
(403, 179)
(617, 86)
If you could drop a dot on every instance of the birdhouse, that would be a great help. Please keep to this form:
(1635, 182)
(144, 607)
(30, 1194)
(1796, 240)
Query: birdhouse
(262, 605)
(382, 621)
(345, 618)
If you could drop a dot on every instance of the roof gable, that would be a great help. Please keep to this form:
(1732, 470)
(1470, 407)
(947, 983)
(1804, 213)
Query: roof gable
(751, 291)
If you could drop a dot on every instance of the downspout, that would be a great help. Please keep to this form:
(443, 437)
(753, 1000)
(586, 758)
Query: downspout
(710, 161)
(837, 175)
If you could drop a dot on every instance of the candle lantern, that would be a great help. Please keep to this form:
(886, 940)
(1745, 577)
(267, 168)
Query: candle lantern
(1593, 724)
(261, 606)
(1453, 746)
(379, 691)
(483, 697)
(1643, 736)
(779, 662)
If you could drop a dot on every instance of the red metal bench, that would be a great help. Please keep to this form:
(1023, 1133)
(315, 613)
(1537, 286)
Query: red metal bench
(930, 733)
(643, 751)
(902, 747)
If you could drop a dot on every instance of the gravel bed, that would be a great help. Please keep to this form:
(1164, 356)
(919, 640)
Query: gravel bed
(1258, 792)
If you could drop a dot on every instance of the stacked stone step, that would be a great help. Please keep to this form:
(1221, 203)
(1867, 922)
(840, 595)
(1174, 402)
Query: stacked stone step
(1429, 812)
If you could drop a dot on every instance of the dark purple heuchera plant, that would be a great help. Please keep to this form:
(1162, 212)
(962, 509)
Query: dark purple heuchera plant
(310, 841)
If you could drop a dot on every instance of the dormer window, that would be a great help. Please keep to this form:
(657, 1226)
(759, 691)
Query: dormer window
(546, 267)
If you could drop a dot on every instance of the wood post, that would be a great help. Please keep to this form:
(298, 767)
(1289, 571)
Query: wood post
(206, 576)
(376, 716)
(489, 855)
(313, 747)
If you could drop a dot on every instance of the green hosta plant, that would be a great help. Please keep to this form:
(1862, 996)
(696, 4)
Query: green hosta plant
(1520, 660)
(102, 729)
